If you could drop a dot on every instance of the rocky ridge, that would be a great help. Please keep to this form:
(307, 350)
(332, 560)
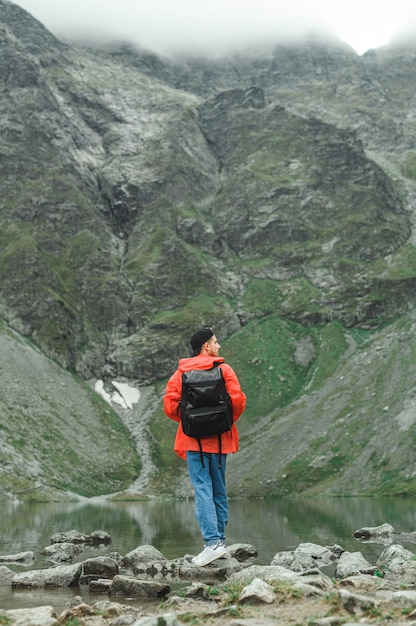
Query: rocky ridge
(144, 175)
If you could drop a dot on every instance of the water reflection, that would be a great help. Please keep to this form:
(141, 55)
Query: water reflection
(270, 525)
(169, 525)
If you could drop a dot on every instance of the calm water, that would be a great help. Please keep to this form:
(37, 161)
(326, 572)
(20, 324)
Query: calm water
(169, 525)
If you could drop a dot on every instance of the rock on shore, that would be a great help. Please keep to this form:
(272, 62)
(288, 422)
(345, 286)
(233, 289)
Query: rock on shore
(234, 590)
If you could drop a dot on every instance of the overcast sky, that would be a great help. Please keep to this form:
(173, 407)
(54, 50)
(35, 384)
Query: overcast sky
(166, 26)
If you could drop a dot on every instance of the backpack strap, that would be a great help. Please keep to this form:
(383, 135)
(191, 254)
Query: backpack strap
(200, 452)
(219, 455)
(220, 450)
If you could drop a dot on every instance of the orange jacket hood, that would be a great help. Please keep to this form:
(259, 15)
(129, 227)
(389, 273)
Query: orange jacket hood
(199, 362)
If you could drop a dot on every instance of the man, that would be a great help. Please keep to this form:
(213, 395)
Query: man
(207, 468)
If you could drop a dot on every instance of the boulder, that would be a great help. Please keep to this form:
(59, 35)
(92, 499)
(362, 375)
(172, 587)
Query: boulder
(6, 575)
(74, 536)
(257, 592)
(397, 563)
(98, 567)
(39, 616)
(21, 557)
(143, 555)
(136, 588)
(100, 537)
(217, 570)
(384, 531)
(351, 563)
(306, 556)
(243, 552)
(101, 585)
(77, 613)
(61, 576)
(64, 552)
(69, 536)
(198, 591)
(356, 604)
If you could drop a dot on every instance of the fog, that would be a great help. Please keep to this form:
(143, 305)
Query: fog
(215, 26)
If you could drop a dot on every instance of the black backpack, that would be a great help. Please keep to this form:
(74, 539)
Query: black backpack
(205, 406)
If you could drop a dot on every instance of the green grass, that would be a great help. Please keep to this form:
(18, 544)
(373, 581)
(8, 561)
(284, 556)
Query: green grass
(263, 296)
(202, 310)
(264, 354)
(63, 440)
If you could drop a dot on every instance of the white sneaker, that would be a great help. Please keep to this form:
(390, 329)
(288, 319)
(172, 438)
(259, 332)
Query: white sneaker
(209, 554)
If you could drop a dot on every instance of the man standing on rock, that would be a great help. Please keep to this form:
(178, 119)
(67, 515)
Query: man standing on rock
(206, 457)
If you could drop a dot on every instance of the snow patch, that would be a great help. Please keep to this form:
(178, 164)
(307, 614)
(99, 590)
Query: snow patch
(125, 396)
(130, 395)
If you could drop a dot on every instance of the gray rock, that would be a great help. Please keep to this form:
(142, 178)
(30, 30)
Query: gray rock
(317, 579)
(267, 573)
(217, 570)
(308, 590)
(116, 610)
(98, 567)
(397, 563)
(166, 619)
(351, 563)
(61, 576)
(286, 559)
(70, 536)
(6, 575)
(39, 616)
(243, 552)
(197, 590)
(356, 604)
(257, 592)
(395, 552)
(100, 585)
(306, 556)
(100, 537)
(405, 598)
(78, 612)
(133, 587)
(155, 568)
(21, 557)
(384, 531)
(61, 552)
(74, 536)
(142, 556)
(363, 582)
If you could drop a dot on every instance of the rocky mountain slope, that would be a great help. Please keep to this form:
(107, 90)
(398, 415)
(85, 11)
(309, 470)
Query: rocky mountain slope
(269, 194)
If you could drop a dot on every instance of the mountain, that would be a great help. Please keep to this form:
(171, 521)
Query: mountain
(268, 194)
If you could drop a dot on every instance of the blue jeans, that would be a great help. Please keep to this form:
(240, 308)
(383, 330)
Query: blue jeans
(211, 502)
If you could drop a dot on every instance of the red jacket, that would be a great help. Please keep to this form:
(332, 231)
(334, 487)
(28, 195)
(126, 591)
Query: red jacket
(229, 440)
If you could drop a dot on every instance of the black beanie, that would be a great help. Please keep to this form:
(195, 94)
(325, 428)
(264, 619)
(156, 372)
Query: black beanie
(200, 337)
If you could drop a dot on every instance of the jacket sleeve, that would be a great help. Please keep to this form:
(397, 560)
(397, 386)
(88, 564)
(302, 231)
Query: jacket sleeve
(237, 395)
(172, 396)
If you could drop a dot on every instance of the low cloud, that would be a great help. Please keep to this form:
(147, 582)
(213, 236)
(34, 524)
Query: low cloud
(167, 26)
(215, 26)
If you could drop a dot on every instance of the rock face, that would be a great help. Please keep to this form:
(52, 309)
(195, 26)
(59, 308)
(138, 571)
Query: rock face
(123, 171)
(269, 194)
